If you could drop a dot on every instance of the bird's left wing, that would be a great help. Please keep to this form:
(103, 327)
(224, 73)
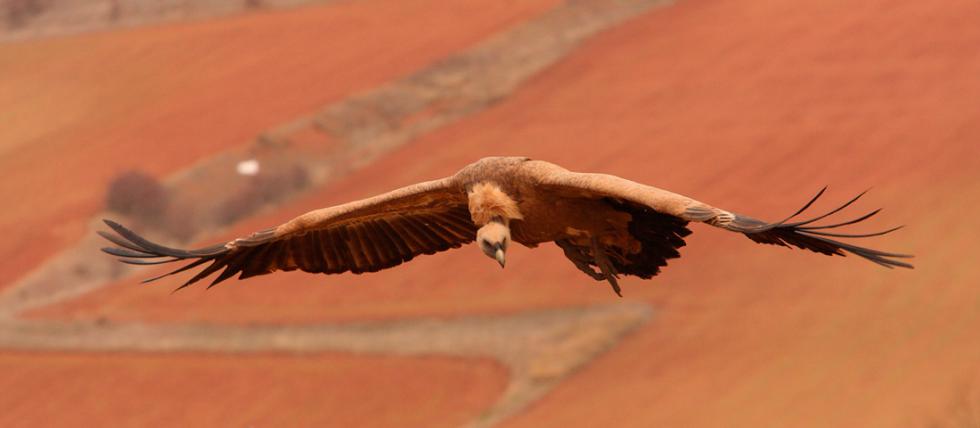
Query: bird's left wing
(362, 236)
(802, 234)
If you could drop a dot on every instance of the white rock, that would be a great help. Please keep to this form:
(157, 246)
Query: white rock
(248, 167)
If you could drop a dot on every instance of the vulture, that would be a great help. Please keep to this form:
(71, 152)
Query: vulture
(607, 226)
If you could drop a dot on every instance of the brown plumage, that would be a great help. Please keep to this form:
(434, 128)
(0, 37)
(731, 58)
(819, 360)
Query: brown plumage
(606, 225)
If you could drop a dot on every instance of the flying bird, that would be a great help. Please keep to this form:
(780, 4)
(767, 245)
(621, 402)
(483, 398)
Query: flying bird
(607, 226)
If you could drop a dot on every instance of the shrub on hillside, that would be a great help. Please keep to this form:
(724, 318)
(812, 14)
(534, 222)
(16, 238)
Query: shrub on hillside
(18, 12)
(138, 195)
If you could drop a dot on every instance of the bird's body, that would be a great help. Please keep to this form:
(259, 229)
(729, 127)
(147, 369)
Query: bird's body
(543, 214)
(606, 225)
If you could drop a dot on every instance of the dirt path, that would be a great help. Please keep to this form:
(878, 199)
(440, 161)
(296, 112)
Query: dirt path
(32, 19)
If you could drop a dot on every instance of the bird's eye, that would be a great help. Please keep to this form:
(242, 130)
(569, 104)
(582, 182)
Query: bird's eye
(485, 243)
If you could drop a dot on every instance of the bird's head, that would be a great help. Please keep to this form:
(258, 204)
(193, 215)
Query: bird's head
(493, 238)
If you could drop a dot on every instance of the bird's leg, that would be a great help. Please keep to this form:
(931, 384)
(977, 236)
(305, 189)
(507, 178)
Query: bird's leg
(605, 265)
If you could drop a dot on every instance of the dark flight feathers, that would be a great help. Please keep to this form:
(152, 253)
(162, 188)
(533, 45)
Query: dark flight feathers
(367, 245)
(805, 235)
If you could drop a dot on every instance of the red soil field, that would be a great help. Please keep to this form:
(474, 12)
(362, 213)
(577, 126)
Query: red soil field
(750, 106)
(120, 390)
(87, 107)
(764, 153)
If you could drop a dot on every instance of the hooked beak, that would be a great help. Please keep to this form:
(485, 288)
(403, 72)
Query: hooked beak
(499, 255)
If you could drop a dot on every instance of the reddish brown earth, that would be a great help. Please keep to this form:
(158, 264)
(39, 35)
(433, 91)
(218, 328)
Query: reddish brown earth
(234, 390)
(764, 153)
(751, 106)
(87, 107)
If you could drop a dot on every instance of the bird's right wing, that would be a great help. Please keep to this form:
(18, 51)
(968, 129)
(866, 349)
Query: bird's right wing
(361, 236)
(801, 234)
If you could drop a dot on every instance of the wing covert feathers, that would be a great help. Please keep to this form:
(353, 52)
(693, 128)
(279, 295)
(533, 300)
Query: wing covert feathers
(805, 234)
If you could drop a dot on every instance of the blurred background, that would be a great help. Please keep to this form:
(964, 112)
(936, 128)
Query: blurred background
(198, 121)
